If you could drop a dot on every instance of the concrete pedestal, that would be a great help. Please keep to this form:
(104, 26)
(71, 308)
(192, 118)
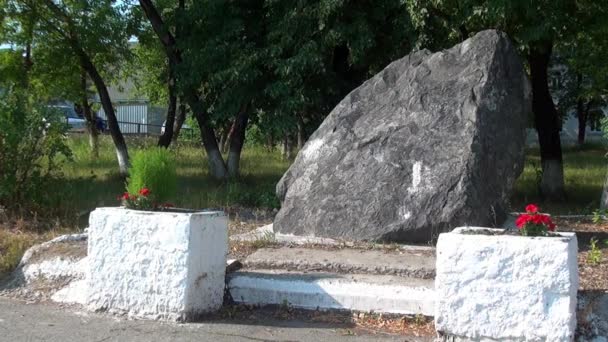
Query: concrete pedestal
(504, 287)
(156, 265)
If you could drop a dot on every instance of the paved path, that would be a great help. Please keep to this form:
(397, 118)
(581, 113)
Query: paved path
(46, 322)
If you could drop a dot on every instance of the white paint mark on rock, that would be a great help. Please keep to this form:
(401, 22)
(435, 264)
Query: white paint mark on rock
(416, 177)
(404, 213)
(313, 148)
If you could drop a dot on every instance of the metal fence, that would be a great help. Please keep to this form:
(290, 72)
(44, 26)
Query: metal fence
(131, 128)
(137, 117)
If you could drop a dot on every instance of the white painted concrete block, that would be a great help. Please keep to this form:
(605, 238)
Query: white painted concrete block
(156, 265)
(505, 287)
(375, 293)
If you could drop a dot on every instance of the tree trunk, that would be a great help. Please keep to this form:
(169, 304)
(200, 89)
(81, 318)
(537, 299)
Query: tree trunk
(229, 131)
(179, 120)
(27, 63)
(604, 198)
(301, 138)
(122, 154)
(88, 115)
(582, 121)
(270, 142)
(167, 136)
(86, 63)
(547, 124)
(287, 148)
(224, 138)
(217, 167)
(237, 140)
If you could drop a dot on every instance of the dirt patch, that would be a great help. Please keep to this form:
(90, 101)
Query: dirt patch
(491, 232)
(592, 262)
(347, 322)
(36, 291)
(240, 250)
(243, 220)
(593, 273)
(580, 224)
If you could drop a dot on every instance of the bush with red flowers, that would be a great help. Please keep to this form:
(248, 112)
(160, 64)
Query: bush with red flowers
(143, 200)
(533, 223)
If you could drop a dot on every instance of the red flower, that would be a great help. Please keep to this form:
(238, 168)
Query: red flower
(124, 196)
(538, 219)
(522, 220)
(533, 217)
(531, 208)
(144, 192)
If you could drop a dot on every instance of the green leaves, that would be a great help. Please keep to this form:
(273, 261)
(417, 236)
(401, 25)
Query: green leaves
(32, 142)
(100, 27)
(153, 169)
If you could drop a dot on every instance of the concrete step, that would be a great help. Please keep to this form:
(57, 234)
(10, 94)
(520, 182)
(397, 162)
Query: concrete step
(405, 261)
(323, 290)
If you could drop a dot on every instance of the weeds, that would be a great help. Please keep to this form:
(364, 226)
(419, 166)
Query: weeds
(12, 247)
(594, 257)
(599, 215)
(266, 240)
(420, 320)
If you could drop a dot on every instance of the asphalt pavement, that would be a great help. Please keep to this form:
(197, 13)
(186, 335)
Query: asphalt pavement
(48, 322)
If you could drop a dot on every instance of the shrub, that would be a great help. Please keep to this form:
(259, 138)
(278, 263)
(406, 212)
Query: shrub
(32, 138)
(153, 169)
(595, 253)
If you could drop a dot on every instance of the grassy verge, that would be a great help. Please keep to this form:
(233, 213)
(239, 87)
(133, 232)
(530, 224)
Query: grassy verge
(584, 173)
(93, 182)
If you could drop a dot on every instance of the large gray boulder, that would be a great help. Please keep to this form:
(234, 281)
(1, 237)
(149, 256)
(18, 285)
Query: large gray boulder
(432, 142)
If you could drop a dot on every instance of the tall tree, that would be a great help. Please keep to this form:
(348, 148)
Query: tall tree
(319, 51)
(217, 67)
(92, 33)
(191, 95)
(154, 77)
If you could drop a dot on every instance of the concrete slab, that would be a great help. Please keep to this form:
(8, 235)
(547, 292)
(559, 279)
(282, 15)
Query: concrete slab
(267, 232)
(406, 263)
(257, 234)
(324, 291)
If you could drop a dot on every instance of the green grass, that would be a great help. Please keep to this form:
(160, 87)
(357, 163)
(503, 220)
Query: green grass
(13, 245)
(95, 182)
(91, 183)
(584, 173)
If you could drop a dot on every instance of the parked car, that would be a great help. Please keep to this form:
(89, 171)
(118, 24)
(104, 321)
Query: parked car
(74, 122)
(77, 123)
